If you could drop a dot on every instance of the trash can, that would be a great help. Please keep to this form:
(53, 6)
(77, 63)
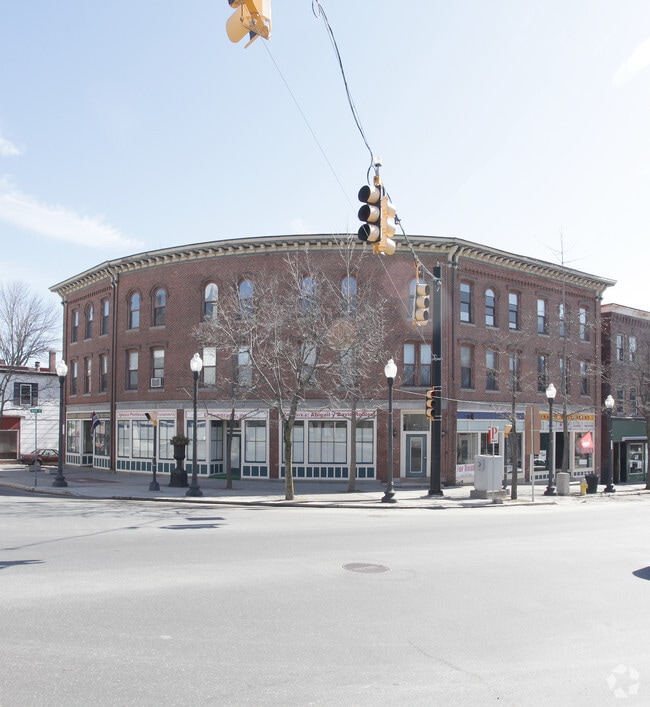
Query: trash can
(562, 478)
(592, 483)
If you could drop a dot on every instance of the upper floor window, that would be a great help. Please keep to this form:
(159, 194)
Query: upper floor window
(244, 367)
(349, 295)
(465, 302)
(103, 373)
(584, 378)
(134, 310)
(246, 293)
(88, 371)
(466, 366)
(90, 314)
(631, 347)
(514, 359)
(620, 347)
(583, 323)
(74, 377)
(542, 317)
(25, 394)
(308, 288)
(74, 330)
(132, 370)
(417, 364)
(561, 317)
(209, 370)
(513, 310)
(158, 366)
(490, 308)
(210, 297)
(103, 323)
(542, 373)
(491, 370)
(159, 306)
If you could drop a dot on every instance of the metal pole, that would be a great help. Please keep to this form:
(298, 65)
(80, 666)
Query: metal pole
(610, 465)
(550, 489)
(194, 489)
(435, 476)
(59, 480)
(389, 494)
(154, 485)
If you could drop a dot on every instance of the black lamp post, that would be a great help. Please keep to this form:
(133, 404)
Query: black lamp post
(196, 364)
(609, 406)
(550, 396)
(62, 372)
(390, 371)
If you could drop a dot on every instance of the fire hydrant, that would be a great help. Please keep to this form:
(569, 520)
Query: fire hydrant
(583, 488)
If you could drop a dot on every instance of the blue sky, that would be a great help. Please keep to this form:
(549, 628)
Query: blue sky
(132, 126)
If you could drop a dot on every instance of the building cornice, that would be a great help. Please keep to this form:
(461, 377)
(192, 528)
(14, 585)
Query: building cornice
(449, 250)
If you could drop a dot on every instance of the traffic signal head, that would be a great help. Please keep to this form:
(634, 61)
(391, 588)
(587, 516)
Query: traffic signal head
(252, 17)
(370, 212)
(430, 411)
(421, 304)
(386, 243)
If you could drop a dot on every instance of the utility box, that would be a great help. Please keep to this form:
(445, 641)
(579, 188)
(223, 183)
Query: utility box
(488, 476)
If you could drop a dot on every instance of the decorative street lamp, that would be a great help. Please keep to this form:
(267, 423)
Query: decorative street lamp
(390, 371)
(62, 372)
(609, 406)
(196, 364)
(550, 396)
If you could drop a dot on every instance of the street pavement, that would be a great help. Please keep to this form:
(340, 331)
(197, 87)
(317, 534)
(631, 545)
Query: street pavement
(89, 483)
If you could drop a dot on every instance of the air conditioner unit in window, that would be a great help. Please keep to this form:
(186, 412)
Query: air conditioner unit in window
(156, 382)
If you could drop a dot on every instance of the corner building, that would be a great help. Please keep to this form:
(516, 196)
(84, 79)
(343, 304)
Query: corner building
(510, 326)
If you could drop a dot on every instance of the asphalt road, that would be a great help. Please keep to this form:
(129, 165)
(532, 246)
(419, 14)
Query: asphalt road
(118, 603)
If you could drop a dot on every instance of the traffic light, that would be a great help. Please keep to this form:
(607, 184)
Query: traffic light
(421, 304)
(370, 212)
(252, 17)
(386, 243)
(430, 404)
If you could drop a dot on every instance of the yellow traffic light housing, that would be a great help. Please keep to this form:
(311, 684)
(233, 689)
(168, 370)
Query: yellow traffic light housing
(430, 410)
(370, 213)
(386, 243)
(252, 17)
(421, 304)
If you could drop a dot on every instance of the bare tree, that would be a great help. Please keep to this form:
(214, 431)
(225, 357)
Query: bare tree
(27, 331)
(304, 334)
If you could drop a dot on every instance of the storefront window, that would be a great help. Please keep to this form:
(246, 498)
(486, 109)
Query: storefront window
(200, 439)
(123, 438)
(583, 451)
(365, 442)
(73, 437)
(102, 440)
(467, 447)
(255, 444)
(142, 439)
(166, 430)
(328, 442)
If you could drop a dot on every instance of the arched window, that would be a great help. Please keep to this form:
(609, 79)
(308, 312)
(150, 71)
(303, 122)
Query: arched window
(90, 313)
(308, 288)
(159, 305)
(349, 295)
(210, 296)
(103, 322)
(134, 310)
(246, 292)
(74, 331)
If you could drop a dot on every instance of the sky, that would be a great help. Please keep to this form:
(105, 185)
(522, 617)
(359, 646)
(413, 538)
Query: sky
(131, 126)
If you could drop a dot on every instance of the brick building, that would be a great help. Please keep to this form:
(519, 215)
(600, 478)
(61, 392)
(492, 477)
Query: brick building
(510, 326)
(626, 364)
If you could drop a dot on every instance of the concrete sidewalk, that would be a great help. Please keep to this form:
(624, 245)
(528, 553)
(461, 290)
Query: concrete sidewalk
(94, 484)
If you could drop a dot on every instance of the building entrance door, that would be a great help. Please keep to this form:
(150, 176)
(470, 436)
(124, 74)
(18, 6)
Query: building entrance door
(416, 455)
(235, 454)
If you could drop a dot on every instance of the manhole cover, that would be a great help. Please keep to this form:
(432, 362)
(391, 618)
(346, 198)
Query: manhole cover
(366, 567)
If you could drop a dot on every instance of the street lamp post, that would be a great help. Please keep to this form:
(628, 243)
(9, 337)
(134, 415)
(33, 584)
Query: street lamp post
(62, 372)
(196, 364)
(390, 371)
(609, 406)
(550, 396)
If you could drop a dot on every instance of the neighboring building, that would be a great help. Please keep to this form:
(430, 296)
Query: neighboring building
(29, 389)
(511, 325)
(626, 361)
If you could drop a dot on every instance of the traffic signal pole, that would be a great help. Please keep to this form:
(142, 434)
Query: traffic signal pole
(435, 475)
